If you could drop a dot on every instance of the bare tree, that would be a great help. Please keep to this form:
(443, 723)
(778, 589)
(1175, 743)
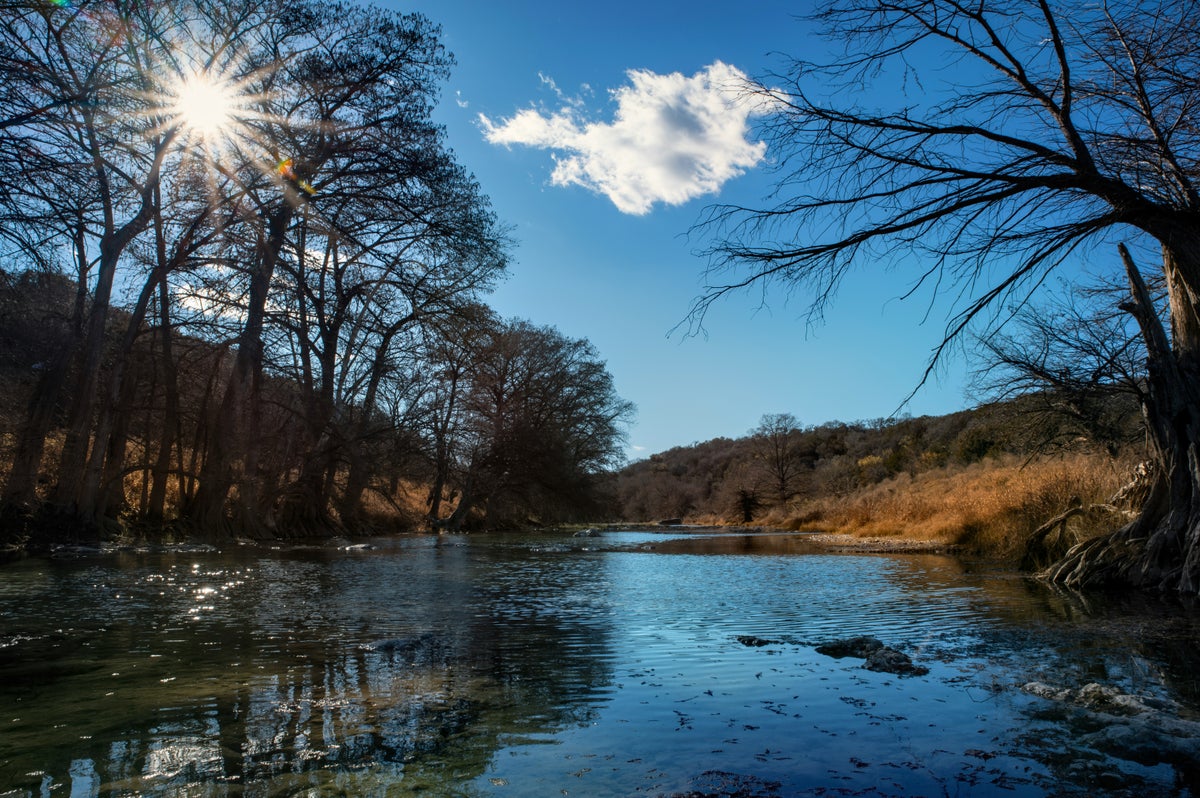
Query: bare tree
(347, 118)
(543, 419)
(775, 451)
(293, 247)
(80, 107)
(1058, 126)
(1075, 366)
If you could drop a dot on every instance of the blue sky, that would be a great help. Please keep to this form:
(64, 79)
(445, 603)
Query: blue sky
(563, 111)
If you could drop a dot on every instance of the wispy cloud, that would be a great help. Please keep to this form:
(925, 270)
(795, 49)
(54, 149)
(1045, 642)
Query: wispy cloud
(672, 138)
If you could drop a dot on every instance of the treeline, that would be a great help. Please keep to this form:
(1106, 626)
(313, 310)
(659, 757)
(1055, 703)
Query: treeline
(243, 280)
(781, 465)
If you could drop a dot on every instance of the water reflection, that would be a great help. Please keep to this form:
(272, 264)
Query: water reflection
(305, 669)
(511, 665)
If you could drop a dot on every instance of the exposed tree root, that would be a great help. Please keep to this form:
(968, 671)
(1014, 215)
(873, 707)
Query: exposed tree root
(1049, 542)
(1142, 554)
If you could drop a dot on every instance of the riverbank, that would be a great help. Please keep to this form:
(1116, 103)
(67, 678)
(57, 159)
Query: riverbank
(991, 509)
(883, 545)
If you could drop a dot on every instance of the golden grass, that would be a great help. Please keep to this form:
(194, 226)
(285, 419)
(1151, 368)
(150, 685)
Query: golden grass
(990, 508)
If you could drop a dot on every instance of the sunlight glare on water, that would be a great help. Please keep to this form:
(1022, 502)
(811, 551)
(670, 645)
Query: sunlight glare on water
(633, 663)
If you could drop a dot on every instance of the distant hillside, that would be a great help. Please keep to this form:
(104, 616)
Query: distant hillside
(979, 477)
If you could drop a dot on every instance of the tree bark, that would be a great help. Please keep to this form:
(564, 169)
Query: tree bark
(1160, 549)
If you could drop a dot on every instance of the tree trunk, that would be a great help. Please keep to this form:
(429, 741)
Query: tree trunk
(360, 469)
(236, 422)
(113, 242)
(304, 511)
(466, 503)
(1160, 549)
(443, 421)
(170, 435)
(107, 461)
(20, 490)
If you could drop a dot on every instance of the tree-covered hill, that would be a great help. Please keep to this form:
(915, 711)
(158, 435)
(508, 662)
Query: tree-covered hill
(1016, 463)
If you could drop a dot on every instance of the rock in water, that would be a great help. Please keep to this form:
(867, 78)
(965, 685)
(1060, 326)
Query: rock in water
(879, 657)
(889, 660)
(751, 641)
(850, 647)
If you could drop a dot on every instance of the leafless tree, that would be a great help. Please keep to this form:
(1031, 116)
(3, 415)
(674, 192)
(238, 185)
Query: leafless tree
(294, 264)
(1055, 129)
(1075, 366)
(543, 419)
(79, 108)
(775, 451)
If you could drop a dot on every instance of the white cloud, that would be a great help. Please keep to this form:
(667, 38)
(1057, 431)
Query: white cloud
(672, 139)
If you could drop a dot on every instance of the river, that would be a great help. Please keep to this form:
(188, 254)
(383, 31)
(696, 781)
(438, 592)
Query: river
(634, 663)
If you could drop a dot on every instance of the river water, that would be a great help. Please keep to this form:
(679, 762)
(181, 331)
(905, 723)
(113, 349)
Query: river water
(635, 663)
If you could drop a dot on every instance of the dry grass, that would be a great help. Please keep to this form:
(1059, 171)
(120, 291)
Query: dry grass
(989, 508)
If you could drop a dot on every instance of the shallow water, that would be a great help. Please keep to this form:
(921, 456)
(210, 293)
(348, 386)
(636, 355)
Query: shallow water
(637, 663)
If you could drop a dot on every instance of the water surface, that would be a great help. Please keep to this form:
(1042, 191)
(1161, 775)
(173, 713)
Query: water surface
(636, 663)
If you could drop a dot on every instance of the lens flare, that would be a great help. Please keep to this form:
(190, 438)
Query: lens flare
(285, 169)
(204, 105)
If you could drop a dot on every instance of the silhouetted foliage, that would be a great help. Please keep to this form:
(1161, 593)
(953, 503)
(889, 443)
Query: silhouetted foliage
(250, 329)
(540, 421)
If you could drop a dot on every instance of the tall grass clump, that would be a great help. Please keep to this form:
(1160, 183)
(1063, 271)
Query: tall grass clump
(990, 508)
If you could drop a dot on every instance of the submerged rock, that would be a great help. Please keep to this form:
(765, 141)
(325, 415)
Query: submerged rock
(861, 647)
(1144, 730)
(889, 660)
(880, 658)
(722, 784)
(404, 648)
(750, 641)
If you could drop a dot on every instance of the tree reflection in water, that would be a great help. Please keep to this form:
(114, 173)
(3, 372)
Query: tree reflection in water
(529, 665)
(311, 670)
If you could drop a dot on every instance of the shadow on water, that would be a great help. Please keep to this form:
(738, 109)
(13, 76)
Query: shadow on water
(549, 665)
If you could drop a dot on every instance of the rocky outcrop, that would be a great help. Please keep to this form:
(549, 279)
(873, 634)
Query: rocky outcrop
(1140, 729)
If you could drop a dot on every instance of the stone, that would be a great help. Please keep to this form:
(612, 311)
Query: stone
(850, 647)
(889, 660)
(879, 657)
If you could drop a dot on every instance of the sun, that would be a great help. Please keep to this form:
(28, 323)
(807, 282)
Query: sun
(205, 105)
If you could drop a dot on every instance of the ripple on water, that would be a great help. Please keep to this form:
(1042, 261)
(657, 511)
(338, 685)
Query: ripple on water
(531, 666)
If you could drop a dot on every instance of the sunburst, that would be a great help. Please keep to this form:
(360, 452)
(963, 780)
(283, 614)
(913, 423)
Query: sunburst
(205, 105)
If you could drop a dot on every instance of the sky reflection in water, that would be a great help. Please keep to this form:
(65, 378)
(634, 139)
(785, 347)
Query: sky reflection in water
(594, 666)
